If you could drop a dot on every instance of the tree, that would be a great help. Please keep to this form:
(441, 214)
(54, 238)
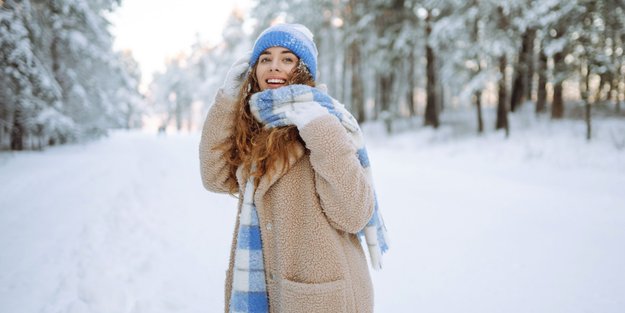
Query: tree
(61, 79)
(431, 108)
(354, 13)
(521, 86)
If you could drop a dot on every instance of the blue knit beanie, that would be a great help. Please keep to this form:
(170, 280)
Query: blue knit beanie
(295, 37)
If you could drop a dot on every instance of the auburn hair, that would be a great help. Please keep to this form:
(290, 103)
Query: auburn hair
(256, 148)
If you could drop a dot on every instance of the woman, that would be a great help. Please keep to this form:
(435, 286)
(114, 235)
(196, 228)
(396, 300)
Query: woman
(295, 157)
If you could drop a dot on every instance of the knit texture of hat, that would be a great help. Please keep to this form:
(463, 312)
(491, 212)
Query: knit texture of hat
(295, 37)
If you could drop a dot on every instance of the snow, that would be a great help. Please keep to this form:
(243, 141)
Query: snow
(532, 223)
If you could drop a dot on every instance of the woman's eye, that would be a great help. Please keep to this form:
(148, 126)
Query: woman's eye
(264, 60)
(288, 60)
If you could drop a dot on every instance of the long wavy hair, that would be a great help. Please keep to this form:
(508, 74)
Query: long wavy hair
(256, 148)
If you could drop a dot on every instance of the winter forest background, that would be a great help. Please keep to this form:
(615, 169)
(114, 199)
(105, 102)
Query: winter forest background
(390, 61)
(496, 132)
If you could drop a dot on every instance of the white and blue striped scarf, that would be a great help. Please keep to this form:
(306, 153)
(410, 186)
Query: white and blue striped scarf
(249, 292)
(268, 107)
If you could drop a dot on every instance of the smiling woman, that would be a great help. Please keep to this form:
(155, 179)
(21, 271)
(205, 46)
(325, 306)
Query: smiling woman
(296, 158)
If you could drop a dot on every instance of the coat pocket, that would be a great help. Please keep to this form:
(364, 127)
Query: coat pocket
(313, 298)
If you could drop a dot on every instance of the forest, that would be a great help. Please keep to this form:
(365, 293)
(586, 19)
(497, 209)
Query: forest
(61, 80)
(400, 62)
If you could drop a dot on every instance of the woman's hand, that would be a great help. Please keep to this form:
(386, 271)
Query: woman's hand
(302, 113)
(236, 75)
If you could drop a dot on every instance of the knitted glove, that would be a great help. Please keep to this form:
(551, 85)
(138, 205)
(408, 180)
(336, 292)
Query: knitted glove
(302, 113)
(235, 76)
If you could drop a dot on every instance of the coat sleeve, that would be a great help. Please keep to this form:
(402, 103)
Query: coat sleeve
(218, 128)
(344, 190)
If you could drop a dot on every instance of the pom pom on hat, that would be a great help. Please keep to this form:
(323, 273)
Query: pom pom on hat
(295, 37)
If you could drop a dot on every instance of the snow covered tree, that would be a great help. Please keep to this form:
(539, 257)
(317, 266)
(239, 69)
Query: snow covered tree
(171, 92)
(30, 96)
(380, 52)
(524, 66)
(61, 80)
(190, 82)
(130, 100)
(432, 107)
(355, 13)
(557, 43)
(459, 37)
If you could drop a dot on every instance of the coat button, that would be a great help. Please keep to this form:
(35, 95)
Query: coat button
(271, 276)
(268, 226)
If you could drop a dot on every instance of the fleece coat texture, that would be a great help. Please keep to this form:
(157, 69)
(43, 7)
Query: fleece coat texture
(271, 107)
(309, 217)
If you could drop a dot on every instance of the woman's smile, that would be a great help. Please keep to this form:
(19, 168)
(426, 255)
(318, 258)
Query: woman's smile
(275, 82)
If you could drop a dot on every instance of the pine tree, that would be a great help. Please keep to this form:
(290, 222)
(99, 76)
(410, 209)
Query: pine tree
(61, 80)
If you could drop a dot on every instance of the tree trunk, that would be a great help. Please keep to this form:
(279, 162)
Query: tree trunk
(384, 92)
(598, 93)
(557, 107)
(520, 81)
(357, 93)
(477, 98)
(585, 96)
(616, 78)
(541, 93)
(17, 131)
(431, 108)
(620, 93)
(517, 87)
(344, 79)
(529, 78)
(613, 93)
(620, 81)
(386, 85)
(440, 95)
(410, 96)
(588, 121)
(178, 115)
(618, 101)
(377, 96)
(477, 94)
(4, 114)
(502, 110)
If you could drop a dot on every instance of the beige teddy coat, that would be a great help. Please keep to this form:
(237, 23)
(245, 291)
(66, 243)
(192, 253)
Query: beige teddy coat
(308, 216)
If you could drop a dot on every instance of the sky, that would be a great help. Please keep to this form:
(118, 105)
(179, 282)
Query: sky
(155, 29)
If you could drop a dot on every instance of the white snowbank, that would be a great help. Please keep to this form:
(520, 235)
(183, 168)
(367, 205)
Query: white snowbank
(532, 223)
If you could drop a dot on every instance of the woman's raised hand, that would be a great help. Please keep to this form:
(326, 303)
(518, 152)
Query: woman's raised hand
(236, 75)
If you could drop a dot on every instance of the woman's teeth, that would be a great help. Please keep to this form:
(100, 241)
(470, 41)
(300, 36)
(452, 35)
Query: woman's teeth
(276, 81)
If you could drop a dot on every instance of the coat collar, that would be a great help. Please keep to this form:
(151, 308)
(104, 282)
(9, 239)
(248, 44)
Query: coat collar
(265, 181)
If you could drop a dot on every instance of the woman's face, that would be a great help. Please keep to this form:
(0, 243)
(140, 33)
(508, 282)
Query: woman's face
(274, 67)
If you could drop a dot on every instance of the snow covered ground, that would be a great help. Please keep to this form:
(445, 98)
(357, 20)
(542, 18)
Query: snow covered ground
(534, 223)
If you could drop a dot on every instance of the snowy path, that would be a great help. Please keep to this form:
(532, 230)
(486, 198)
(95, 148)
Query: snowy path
(483, 225)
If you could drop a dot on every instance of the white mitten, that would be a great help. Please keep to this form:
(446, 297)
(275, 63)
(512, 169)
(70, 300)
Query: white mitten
(236, 75)
(302, 113)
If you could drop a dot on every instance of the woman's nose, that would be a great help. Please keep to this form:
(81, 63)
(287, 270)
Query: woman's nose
(274, 66)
